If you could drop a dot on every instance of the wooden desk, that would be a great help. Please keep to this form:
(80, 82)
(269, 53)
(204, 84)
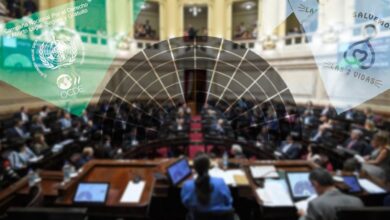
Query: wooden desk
(17, 193)
(50, 182)
(117, 174)
(281, 166)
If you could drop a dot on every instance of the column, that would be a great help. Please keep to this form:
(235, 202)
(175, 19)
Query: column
(118, 17)
(270, 16)
(162, 24)
(172, 19)
(219, 18)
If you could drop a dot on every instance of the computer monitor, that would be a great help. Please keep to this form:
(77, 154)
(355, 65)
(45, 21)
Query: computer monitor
(299, 185)
(91, 193)
(353, 184)
(179, 171)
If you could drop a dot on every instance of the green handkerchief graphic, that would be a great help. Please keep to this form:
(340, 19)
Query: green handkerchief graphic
(59, 55)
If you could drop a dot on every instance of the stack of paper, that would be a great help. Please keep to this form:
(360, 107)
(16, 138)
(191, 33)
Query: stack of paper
(264, 172)
(228, 176)
(275, 194)
(370, 187)
(133, 192)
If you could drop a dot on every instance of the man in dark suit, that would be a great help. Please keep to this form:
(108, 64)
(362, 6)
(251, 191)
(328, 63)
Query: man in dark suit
(22, 115)
(218, 127)
(356, 143)
(17, 131)
(289, 149)
(324, 207)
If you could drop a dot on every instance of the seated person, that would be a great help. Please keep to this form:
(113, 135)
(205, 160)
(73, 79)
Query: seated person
(378, 163)
(44, 112)
(22, 115)
(65, 121)
(324, 207)
(7, 174)
(205, 193)
(17, 131)
(322, 160)
(237, 152)
(38, 125)
(39, 144)
(289, 149)
(21, 156)
(87, 155)
(356, 143)
(218, 127)
(319, 136)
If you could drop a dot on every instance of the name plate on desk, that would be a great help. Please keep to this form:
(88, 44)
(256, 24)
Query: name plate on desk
(133, 192)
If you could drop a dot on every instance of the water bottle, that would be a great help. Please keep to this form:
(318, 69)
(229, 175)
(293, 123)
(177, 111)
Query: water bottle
(31, 177)
(67, 169)
(225, 160)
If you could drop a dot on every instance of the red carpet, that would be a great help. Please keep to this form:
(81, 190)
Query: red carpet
(196, 136)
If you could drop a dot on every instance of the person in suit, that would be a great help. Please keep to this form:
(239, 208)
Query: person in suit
(21, 156)
(22, 115)
(17, 131)
(218, 127)
(324, 207)
(191, 32)
(356, 143)
(289, 149)
(38, 125)
(65, 121)
(205, 193)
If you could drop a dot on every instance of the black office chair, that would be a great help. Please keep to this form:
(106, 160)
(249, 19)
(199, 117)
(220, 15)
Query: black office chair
(220, 215)
(366, 213)
(28, 213)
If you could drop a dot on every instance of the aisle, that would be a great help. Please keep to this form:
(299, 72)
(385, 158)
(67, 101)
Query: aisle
(196, 136)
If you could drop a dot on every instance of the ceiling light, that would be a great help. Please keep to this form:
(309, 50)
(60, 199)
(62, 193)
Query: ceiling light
(195, 10)
(248, 5)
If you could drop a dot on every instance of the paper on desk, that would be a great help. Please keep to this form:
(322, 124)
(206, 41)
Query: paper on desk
(302, 205)
(370, 187)
(227, 176)
(133, 192)
(264, 172)
(274, 194)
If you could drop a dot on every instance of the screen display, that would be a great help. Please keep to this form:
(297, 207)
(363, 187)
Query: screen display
(91, 192)
(300, 186)
(352, 183)
(179, 171)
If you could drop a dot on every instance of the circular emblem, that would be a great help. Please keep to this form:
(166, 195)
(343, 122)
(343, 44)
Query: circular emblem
(64, 82)
(59, 48)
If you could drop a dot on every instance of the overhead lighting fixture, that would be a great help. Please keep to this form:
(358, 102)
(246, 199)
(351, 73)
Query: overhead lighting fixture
(248, 5)
(144, 6)
(195, 10)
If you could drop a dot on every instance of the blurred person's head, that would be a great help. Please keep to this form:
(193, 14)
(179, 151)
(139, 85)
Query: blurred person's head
(39, 138)
(236, 149)
(380, 140)
(356, 134)
(88, 151)
(321, 180)
(369, 125)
